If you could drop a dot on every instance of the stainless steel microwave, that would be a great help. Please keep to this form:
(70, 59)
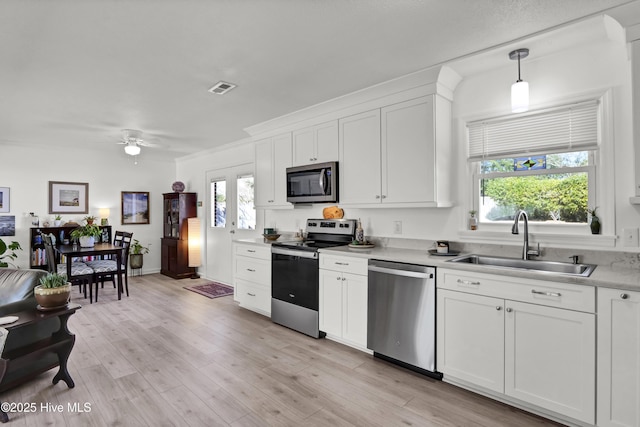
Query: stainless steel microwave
(316, 183)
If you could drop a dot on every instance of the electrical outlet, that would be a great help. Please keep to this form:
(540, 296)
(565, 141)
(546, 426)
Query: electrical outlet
(630, 237)
(397, 227)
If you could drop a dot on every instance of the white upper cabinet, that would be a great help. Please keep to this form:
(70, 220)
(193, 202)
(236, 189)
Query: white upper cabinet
(398, 156)
(316, 144)
(409, 156)
(273, 157)
(359, 167)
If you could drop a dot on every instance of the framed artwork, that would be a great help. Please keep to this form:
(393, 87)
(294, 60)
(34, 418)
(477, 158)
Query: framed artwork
(135, 207)
(4, 199)
(68, 197)
(7, 225)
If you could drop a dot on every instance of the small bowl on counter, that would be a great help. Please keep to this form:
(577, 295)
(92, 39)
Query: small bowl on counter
(271, 237)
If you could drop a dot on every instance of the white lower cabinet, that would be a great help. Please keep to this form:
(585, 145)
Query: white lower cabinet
(471, 338)
(343, 299)
(618, 358)
(536, 347)
(252, 277)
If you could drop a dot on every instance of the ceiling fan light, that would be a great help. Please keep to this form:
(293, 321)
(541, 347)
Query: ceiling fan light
(132, 149)
(519, 97)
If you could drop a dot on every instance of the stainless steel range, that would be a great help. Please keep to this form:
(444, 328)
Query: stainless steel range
(295, 276)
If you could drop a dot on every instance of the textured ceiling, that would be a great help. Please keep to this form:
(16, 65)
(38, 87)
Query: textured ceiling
(74, 73)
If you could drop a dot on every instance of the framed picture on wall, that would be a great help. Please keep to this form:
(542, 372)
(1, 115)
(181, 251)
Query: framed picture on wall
(68, 197)
(7, 225)
(135, 207)
(4, 199)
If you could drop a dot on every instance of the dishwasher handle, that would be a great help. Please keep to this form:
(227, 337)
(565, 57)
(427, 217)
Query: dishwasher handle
(397, 272)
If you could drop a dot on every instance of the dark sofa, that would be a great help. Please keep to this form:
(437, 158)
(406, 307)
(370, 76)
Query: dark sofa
(16, 294)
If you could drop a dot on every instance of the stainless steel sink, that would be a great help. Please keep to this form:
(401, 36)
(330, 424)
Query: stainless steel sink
(553, 267)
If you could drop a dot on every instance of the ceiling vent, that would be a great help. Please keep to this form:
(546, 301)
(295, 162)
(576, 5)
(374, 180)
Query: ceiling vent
(221, 88)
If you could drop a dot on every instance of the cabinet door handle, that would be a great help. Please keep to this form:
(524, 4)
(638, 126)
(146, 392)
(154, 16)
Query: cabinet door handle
(624, 296)
(377, 196)
(509, 310)
(292, 296)
(467, 282)
(311, 159)
(498, 307)
(549, 294)
(251, 270)
(384, 197)
(341, 263)
(344, 278)
(250, 294)
(338, 278)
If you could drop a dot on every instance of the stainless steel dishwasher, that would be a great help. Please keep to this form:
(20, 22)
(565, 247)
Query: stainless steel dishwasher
(402, 315)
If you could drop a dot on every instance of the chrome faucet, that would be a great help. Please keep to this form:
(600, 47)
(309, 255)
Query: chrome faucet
(526, 252)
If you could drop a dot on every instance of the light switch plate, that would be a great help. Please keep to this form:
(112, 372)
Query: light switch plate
(630, 237)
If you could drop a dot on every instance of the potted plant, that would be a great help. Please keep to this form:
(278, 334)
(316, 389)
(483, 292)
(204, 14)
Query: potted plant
(8, 252)
(595, 221)
(57, 220)
(90, 219)
(53, 291)
(136, 251)
(86, 235)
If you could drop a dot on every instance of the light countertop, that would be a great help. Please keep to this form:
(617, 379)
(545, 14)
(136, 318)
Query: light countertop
(603, 276)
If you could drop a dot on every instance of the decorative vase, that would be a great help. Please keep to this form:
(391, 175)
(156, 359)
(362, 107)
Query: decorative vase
(135, 260)
(177, 186)
(52, 298)
(595, 225)
(56, 222)
(473, 222)
(87, 241)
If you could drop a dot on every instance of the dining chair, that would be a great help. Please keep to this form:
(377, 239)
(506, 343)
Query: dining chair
(81, 274)
(106, 269)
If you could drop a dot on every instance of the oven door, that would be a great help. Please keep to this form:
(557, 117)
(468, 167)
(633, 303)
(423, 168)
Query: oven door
(294, 277)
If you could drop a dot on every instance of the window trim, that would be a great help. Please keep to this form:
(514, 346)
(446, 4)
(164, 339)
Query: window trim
(557, 235)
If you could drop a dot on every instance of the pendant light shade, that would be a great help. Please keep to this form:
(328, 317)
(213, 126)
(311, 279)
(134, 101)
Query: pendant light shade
(520, 89)
(519, 97)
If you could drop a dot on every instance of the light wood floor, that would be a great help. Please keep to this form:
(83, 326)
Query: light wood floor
(167, 356)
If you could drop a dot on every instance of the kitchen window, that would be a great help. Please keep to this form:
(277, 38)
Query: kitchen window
(544, 162)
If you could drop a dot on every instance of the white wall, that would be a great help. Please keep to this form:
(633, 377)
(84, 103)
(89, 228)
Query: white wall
(27, 171)
(554, 80)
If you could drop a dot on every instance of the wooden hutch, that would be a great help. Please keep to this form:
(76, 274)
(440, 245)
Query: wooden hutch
(177, 208)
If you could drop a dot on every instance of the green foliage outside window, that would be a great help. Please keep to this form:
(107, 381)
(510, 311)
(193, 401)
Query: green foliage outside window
(545, 197)
(548, 197)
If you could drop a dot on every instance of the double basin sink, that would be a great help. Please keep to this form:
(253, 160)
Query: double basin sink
(552, 267)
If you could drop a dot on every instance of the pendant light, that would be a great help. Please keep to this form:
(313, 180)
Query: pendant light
(520, 89)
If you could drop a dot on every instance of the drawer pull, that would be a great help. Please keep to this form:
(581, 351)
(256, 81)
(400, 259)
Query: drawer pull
(624, 296)
(251, 270)
(467, 282)
(342, 263)
(250, 294)
(549, 294)
(292, 296)
(251, 250)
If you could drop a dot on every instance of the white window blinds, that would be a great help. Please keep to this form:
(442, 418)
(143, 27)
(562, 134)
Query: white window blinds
(562, 129)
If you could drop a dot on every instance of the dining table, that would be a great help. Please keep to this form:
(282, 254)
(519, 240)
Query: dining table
(71, 251)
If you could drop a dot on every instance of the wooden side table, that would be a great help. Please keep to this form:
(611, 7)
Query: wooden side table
(60, 342)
